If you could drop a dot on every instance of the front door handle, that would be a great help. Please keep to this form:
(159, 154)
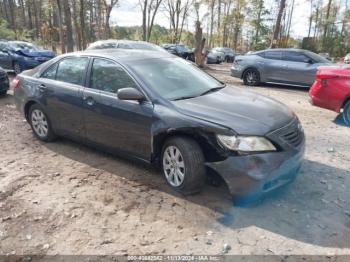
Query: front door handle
(89, 100)
(42, 88)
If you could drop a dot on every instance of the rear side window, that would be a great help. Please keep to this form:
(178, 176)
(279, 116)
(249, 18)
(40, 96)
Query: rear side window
(71, 70)
(276, 55)
(109, 76)
(295, 57)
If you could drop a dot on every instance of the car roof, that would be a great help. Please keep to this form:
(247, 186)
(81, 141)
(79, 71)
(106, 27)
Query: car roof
(282, 49)
(100, 42)
(123, 55)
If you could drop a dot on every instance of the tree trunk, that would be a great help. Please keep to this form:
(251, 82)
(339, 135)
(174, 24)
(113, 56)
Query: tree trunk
(60, 27)
(76, 26)
(82, 24)
(200, 44)
(68, 22)
(277, 28)
(212, 3)
(144, 20)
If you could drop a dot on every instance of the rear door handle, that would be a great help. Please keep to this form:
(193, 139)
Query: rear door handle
(89, 100)
(42, 88)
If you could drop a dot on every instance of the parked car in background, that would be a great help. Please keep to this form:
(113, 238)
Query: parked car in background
(214, 57)
(347, 59)
(19, 56)
(326, 55)
(282, 66)
(124, 44)
(164, 110)
(229, 54)
(179, 50)
(331, 90)
(4, 82)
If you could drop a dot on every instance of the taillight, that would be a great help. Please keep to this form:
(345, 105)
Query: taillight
(15, 83)
(324, 78)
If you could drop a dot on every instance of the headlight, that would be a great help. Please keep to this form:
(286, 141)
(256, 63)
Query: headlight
(246, 143)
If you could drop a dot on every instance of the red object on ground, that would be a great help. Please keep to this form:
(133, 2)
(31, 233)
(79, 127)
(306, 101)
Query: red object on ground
(331, 89)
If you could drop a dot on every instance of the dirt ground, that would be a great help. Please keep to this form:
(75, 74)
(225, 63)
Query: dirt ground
(65, 198)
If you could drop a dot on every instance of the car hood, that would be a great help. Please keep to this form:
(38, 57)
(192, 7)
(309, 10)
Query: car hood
(37, 53)
(245, 112)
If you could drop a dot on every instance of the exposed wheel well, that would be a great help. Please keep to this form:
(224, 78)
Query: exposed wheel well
(346, 100)
(209, 151)
(27, 107)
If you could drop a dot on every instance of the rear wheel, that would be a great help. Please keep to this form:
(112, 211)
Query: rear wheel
(40, 124)
(346, 113)
(183, 165)
(3, 93)
(17, 68)
(251, 77)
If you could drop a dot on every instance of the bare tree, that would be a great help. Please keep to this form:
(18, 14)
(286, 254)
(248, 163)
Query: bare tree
(109, 5)
(277, 28)
(178, 11)
(149, 10)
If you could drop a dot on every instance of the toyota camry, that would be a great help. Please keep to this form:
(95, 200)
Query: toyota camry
(163, 110)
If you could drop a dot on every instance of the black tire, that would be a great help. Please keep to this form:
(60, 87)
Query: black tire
(251, 77)
(346, 113)
(193, 170)
(49, 135)
(17, 68)
(3, 93)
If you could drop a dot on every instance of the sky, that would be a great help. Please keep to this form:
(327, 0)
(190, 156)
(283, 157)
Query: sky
(128, 13)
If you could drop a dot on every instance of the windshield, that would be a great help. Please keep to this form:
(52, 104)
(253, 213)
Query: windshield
(26, 46)
(317, 58)
(175, 78)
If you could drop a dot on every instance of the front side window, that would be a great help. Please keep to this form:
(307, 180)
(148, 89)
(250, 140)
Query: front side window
(72, 70)
(50, 73)
(276, 55)
(295, 57)
(109, 76)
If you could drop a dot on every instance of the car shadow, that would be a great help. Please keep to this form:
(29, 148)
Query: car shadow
(305, 211)
(285, 87)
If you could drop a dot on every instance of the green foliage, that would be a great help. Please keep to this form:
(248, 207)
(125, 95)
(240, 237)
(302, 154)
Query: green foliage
(5, 32)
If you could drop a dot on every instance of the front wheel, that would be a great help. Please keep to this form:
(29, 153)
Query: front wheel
(183, 165)
(346, 113)
(40, 124)
(251, 77)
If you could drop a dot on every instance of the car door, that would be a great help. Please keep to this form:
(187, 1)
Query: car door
(5, 58)
(298, 68)
(270, 66)
(118, 125)
(61, 90)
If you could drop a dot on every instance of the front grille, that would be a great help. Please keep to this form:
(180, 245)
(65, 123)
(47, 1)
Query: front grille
(293, 137)
(291, 134)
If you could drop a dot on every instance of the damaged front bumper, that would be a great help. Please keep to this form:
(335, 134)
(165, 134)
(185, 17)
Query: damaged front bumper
(255, 175)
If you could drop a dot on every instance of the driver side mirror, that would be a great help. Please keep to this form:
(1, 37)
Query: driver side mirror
(130, 93)
(309, 61)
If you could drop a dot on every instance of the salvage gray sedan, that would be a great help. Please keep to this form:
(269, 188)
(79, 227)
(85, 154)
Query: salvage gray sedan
(161, 109)
(282, 66)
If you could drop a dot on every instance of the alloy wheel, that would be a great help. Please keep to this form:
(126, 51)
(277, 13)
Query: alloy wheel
(173, 166)
(251, 77)
(39, 123)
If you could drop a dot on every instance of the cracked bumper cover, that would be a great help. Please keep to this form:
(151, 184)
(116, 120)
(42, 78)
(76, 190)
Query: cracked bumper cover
(259, 174)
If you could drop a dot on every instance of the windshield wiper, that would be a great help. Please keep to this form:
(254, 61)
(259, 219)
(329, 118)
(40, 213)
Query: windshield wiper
(211, 90)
